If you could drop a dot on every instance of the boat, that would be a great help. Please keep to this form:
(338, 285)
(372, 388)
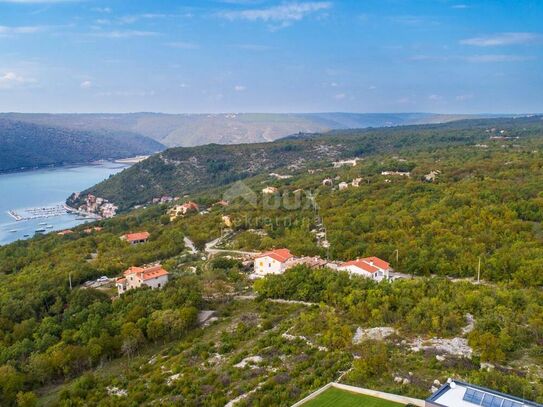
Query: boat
(50, 226)
(42, 223)
(26, 235)
(13, 231)
(39, 230)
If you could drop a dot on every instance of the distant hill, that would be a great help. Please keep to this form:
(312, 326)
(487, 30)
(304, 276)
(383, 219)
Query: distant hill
(26, 145)
(179, 171)
(188, 130)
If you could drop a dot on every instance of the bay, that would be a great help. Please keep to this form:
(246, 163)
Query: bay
(45, 188)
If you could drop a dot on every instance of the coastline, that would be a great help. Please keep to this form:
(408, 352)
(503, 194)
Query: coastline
(127, 163)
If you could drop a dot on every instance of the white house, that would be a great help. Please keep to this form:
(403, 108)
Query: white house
(274, 262)
(370, 267)
(343, 185)
(136, 277)
(269, 190)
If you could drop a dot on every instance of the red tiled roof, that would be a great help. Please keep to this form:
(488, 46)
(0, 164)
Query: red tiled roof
(377, 262)
(361, 265)
(65, 232)
(281, 255)
(146, 273)
(136, 236)
(190, 205)
(121, 280)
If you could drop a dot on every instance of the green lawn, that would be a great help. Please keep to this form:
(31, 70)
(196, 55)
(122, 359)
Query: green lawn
(339, 398)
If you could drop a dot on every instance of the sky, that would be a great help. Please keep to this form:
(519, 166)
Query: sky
(205, 56)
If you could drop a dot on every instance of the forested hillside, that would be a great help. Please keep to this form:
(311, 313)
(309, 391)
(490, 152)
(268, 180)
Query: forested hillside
(187, 130)
(180, 171)
(24, 145)
(273, 341)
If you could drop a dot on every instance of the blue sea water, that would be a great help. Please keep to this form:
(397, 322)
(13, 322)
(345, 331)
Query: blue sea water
(44, 188)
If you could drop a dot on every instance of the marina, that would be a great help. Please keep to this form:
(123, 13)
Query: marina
(37, 213)
(34, 200)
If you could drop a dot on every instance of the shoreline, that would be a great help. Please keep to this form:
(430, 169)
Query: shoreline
(67, 165)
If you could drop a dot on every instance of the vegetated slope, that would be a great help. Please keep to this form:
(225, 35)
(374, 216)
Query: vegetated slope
(78, 346)
(187, 130)
(27, 145)
(179, 171)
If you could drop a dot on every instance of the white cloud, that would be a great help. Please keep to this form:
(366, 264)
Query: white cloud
(117, 34)
(489, 58)
(435, 98)
(105, 10)
(464, 97)
(252, 47)
(127, 93)
(460, 6)
(239, 88)
(511, 38)
(283, 14)
(340, 96)
(86, 85)
(37, 1)
(31, 29)
(183, 45)
(9, 80)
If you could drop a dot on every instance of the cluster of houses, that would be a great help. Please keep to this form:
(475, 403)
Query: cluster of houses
(99, 206)
(279, 260)
(329, 182)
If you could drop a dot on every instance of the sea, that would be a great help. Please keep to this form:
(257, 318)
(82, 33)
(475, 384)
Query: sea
(25, 191)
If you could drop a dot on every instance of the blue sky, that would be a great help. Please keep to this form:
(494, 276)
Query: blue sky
(271, 56)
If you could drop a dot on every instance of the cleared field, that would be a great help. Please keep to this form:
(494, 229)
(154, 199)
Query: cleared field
(339, 398)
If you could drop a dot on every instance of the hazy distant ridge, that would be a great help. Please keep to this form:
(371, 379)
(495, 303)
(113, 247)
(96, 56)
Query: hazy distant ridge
(185, 130)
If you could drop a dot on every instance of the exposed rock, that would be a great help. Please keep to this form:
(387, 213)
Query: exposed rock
(454, 346)
(251, 361)
(470, 324)
(115, 391)
(172, 378)
(375, 334)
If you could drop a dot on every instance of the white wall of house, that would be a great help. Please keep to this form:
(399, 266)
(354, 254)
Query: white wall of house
(356, 270)
(157, 282)
(267, 265)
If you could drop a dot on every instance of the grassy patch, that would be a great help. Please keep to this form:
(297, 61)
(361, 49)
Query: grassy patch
(340, 398)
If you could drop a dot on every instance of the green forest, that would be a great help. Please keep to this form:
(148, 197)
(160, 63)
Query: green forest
(273, 341)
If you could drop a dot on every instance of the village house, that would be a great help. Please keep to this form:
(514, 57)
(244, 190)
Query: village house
(227, 221)
(341, 163)
(182, 210)
(136, 238)
(327, 182)
(343, 185)
(356, 182)
(370, 267)
(273, 262)
(136, 277)
(401, 173)
(65, 232)
(269, 190)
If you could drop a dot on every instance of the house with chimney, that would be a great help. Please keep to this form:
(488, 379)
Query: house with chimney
(136, 238)
(369, 267)
(136, 277)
